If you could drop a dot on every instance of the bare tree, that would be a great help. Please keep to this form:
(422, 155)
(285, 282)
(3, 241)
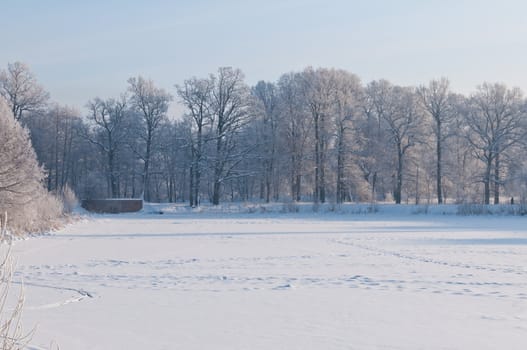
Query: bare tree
(196, 95)
(436, 100)
(345, 103)
(21, 90)
(494, 118)
(173, 160)
(152, 104)
(56, 135)
(229, 107)
(295, 128)
(109, 120)
(60, 124)
(318, 89)
(267, 107)
(396, 108)
(370, 151)
(315, 134)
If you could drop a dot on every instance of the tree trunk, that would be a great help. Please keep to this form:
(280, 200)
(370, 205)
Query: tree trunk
(417, 186)
(113, 180)
(373, 186)
(340, 166)
(197, 185)
(486, 180)
(497, 179)
(439, 155)
(268, 178)
(56, 152)
(298, 186)
(322, 159)
(340, 176)
(146, 175)
(216, 188)
(317, 161)
(268, 189)
(399, 177)
(191, 186)
(197, 164)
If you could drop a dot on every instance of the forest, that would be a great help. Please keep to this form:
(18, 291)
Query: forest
(317, 135)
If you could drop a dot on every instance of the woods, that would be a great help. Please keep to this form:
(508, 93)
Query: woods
(317, 135)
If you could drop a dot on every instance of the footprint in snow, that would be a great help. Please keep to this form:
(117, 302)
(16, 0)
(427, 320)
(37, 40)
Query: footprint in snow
(284, 287)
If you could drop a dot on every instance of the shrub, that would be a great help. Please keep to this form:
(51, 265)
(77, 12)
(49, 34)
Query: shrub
(69, 199)
(473, 209)
(290, 207)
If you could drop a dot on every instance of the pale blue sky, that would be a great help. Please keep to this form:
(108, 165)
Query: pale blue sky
(82, 49)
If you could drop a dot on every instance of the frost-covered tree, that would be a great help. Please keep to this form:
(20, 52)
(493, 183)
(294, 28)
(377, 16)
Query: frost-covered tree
(110, 129)
(20, 89)
(436, 100)
(56, 151)
(266, 107)
(370, 150)
(494, 118)
(64, 154)
(170, 162)
(318, 88)
(22, 196)
(229, 109)
(151, 103)
(196, 95)
(314, 134)
(346, 96)
(20, 175)
(397, 112)
(295, 128)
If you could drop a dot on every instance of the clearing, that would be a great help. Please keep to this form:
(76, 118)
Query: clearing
(216, 280)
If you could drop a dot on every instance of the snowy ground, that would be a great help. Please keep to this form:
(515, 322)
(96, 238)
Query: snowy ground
(216, 280)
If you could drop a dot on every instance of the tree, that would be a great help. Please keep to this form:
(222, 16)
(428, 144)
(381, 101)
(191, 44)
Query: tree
(318, 88)
(110, 131)
(196, 96)
(494, 119)
(267, 108)
(229, 107)
(396, 108)
(370, 147)
(29, 207)
(20, 89)
(57, 137)
(345, 101)
(295, 127)
(152, 104)
(436, 101)
(20, 174)
(175, 158)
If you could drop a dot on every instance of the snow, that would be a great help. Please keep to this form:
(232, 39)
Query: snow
(205, 279)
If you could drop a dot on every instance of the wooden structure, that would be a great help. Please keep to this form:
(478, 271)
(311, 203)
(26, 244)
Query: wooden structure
(112, 206)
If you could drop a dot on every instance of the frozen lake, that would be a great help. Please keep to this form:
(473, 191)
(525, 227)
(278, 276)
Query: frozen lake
(278, 281)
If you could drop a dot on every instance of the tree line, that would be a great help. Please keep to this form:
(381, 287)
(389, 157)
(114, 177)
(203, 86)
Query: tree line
(316, 135)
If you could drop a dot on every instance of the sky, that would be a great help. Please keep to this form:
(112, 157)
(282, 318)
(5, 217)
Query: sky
(79, 50)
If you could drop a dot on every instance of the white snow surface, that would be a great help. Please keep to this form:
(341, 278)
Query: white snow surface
(204, 279)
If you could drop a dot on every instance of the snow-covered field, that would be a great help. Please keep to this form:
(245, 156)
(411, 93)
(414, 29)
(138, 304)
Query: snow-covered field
(220, 280)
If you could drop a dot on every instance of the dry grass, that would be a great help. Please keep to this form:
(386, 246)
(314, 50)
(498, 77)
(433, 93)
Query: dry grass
(12, 336)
